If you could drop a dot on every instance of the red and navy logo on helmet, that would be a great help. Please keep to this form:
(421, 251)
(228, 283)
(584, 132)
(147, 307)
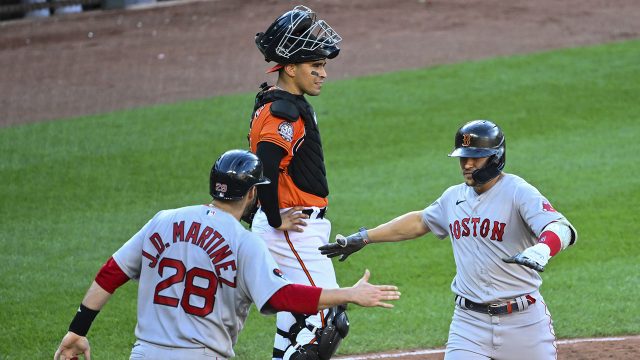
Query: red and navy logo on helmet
(466, 140)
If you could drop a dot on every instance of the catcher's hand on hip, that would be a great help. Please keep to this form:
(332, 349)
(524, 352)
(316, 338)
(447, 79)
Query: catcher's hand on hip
(345, 246)
(293, 219)
(534, 257)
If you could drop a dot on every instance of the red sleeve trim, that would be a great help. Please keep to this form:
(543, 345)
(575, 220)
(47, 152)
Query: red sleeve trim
(110, 277)
(552, 240)
(296, 298)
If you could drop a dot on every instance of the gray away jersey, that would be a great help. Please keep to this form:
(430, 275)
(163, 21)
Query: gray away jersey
(199, 272)
(485, 228)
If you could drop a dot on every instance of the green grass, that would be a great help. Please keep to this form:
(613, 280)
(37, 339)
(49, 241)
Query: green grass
(74, 190)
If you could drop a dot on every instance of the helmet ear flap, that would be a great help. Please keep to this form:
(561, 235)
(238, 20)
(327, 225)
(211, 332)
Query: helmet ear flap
(500, 158)
(490, 171)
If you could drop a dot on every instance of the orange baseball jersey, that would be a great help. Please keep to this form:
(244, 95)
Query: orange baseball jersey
(289, 136)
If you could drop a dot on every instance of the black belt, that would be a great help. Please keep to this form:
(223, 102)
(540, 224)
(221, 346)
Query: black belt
(320, 215)
(495, 309)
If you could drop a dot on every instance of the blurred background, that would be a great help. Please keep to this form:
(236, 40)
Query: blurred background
(15, 9)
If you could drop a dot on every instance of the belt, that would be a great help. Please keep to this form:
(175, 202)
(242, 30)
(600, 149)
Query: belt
(315, 214)
(518, 304)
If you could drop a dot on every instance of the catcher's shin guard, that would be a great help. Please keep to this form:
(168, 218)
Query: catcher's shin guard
(328, 337)
(331, 335)
(304, 352)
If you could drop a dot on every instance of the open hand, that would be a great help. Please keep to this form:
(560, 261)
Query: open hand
(72, 345)
(369, 295)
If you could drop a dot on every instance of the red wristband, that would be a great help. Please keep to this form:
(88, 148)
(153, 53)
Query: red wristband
(552, 240)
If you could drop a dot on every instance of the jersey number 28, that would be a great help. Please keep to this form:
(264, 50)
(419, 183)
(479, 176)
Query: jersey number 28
(190, 289)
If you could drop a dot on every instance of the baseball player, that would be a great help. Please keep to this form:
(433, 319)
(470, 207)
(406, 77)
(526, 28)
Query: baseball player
(285, 136)
(503, 233)
(199, 270)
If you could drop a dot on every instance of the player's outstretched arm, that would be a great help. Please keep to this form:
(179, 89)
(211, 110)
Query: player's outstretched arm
(405, 227)
(362, 293)
(303, 299)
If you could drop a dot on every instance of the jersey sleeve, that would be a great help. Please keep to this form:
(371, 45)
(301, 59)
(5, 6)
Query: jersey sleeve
(280, 132)
(534, 208)
(260, 275)
(434, 217)
(129, 256)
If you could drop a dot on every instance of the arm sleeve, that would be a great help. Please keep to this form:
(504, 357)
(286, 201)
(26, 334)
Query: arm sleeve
(129, 256)
(431, 216)
(270, 154)
(259, 273)
(110, 277)
(535, 209)
(295, 298)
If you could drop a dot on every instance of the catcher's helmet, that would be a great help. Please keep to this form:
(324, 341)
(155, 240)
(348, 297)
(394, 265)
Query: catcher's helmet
(482, 138)
(297, 37)
(234, 173)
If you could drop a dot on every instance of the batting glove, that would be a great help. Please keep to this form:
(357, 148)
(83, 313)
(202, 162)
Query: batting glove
(534, 257)
(345, 246)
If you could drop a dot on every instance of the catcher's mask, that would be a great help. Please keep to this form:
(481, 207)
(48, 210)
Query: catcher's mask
(478, 139)
(234, 173)
(297, 37)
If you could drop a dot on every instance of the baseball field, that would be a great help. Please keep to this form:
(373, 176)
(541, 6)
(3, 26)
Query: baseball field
(74, 189)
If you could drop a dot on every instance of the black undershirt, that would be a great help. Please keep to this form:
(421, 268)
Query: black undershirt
(270, 154)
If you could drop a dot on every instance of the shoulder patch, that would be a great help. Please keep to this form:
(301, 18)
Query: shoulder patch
(285, 129)
(279, 273)
(546, 206)
(286, 110)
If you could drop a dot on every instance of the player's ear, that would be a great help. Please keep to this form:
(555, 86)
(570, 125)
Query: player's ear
(290, 69)
(252, 193)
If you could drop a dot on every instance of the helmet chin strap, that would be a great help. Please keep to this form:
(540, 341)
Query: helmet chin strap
(490, 171)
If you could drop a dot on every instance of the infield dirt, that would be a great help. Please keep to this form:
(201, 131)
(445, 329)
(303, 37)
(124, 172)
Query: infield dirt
(96, 62)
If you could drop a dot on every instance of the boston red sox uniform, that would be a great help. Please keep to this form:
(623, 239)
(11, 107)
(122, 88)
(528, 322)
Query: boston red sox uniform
(503, 232)
(483, 229)
(199, 272)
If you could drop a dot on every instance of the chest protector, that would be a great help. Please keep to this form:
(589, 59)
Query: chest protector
(307, 165)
